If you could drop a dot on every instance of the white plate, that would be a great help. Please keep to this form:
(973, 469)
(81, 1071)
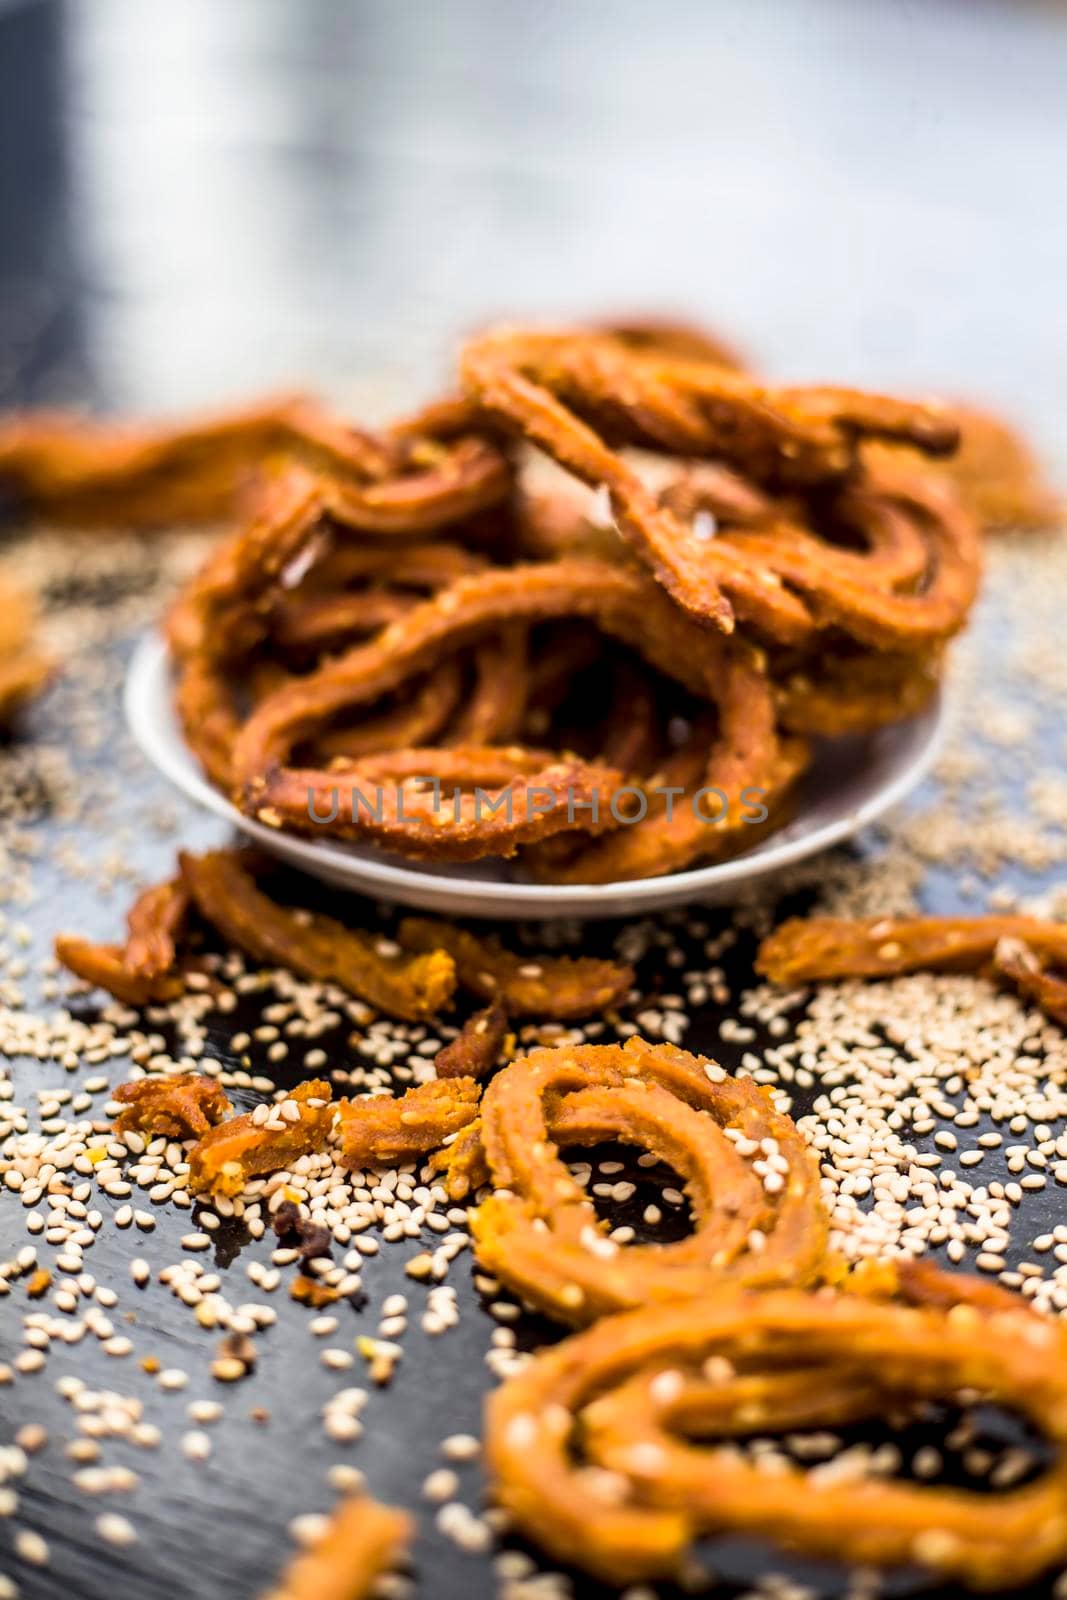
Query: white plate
(851, 782)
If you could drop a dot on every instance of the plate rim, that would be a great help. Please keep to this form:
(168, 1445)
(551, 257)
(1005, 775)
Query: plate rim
(149, 667)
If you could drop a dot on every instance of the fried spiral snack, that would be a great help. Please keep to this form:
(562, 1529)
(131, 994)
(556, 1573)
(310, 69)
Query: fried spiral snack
(699, 573)
(744, 756)
(82, 471)
(756, 1223)
(635, 1392)
(1026, 953)
(557, 389)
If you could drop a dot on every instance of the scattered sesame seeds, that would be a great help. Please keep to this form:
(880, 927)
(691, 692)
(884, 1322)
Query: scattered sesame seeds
(888, 1079)
(116, 1530)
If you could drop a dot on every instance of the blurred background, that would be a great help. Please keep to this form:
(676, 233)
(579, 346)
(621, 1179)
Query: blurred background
(205, 198)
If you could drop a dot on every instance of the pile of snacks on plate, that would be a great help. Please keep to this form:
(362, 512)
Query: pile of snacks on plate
(589, 613)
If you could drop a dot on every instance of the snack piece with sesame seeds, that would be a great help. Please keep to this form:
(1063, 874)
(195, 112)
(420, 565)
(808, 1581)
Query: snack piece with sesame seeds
(753, 1185)
(550, 987)
(243, 1146)
(478, 1046)
(557, 388)
(1027, 953)
(317, 946)
(383, 1131)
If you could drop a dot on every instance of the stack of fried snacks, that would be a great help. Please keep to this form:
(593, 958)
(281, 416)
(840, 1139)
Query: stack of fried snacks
(414, 977)
(421, 638)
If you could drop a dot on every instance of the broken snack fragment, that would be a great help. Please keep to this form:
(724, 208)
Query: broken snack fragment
(476, 1049)
(381, 1130)
(1025, 953)
(183, 1106)
(362, 1540)
(317, 946)
(243, 1146)
(549, 987)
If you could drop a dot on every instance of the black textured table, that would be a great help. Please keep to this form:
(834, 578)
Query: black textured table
(200, 201)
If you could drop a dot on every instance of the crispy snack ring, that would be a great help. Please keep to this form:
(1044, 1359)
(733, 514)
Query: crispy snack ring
(994, 472)
(226, 612)
(223, 614)
(86, 471)
(829, 695)
(620, 602)
(418, 819)
(381, 1130)
(709, 797)
(556, 987)
(317, 946)
(464, 766)
(745, 753)
(476, 1049)
(326, 611)
(362, 1540)
(631, 1391)
(182, 1106)
(322, 622)
(422, 715)
(755, 1224)
(631, 734)
(849, 591)
(556, 389)
(233, 1151)
(495, 706)
(423, 567)
(441, 484)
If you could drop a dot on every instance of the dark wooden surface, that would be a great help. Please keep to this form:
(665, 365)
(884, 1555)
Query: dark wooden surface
(198, 200)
